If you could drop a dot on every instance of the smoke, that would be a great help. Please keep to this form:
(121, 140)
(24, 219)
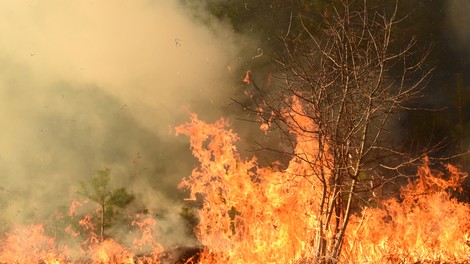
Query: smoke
(88, 85)
(458, 20)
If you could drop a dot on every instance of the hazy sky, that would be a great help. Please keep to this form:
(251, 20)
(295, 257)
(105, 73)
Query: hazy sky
(93, 84)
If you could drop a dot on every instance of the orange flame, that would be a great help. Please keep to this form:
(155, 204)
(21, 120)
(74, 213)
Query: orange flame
(30, 245)
(426, 226)
(109, 251)
(247, 77)
(252, 214)
(148, 240)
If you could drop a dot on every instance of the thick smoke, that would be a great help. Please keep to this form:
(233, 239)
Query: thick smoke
(88, 85)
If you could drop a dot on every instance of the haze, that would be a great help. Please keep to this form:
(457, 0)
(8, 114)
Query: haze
(88, 85)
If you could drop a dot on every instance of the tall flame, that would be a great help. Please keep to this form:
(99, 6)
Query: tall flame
(254, 214)
(250, 214)
(426, 225)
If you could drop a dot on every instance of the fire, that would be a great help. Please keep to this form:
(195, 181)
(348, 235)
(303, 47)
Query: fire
(427, 225)
(254, 214)
(148, 240)
(250, 214)
(145, 249)
(247, 77)
(110, 251)
(31, 245)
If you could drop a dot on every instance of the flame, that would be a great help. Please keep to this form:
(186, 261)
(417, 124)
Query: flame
(254, 214)
(73, 207)
(250, 214)
(148, 240)
(109, 251)
(247, 77)
(427, 225)
(30, 245)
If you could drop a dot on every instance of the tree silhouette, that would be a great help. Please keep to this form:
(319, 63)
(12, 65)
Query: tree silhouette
(344, 77)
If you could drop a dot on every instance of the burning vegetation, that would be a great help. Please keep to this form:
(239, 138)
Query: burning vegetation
(254, 214)
(324, 205)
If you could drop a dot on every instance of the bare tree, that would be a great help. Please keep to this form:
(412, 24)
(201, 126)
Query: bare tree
(351, 81)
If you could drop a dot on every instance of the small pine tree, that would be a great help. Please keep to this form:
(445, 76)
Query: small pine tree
(109, 200)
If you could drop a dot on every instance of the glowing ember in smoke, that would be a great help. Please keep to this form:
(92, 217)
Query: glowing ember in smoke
(247, 77)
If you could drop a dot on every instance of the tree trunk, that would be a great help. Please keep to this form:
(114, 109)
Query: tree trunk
(102, 224)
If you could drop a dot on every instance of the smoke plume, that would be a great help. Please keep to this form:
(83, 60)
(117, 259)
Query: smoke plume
(87, 85)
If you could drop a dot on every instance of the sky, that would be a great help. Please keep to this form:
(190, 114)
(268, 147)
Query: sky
(87, 85)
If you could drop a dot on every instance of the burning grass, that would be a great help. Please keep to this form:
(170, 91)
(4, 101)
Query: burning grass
(31, 244)
(425, 226)
(254, 214)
